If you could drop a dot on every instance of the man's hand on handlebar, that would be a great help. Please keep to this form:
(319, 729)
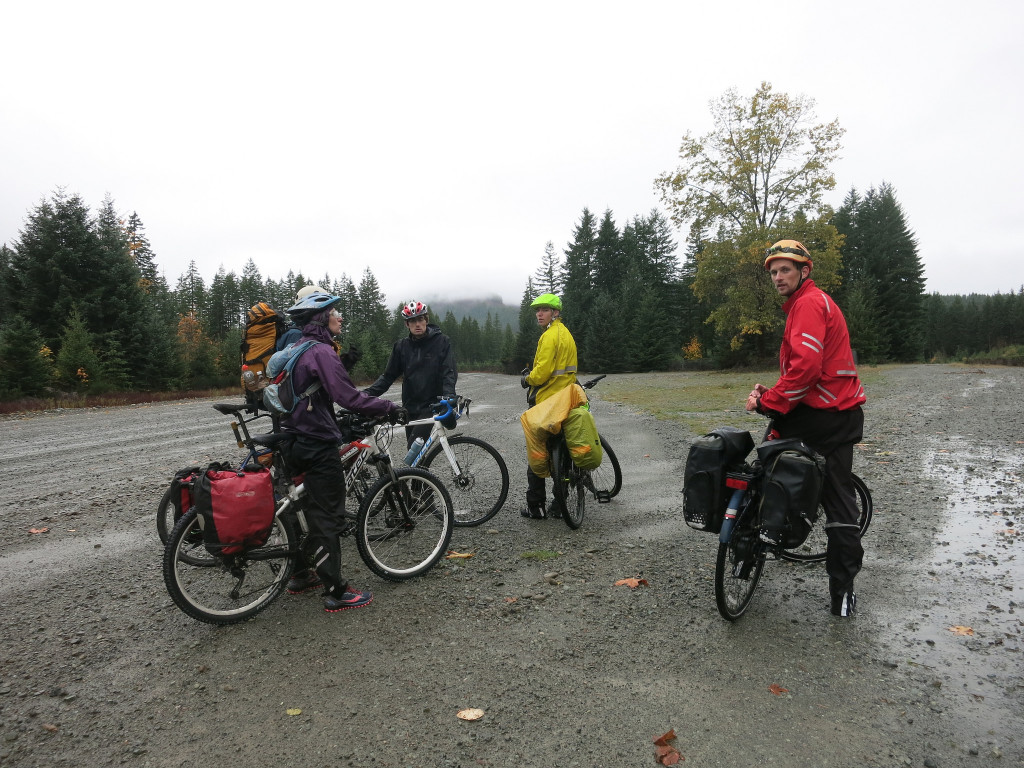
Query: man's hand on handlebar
(399, 415)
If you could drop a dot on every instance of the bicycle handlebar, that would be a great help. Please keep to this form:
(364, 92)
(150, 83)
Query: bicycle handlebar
(592, 382)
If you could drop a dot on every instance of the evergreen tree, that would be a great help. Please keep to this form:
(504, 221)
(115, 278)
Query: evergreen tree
(652, 340)
(529, 332)
(26, 361)
(613, 347)
(547, 278)
(78, 365)
(250, 287)
(609, 266)
(578, 269)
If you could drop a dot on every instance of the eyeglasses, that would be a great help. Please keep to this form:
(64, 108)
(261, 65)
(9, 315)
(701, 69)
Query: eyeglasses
(336, 314)
(785, 249)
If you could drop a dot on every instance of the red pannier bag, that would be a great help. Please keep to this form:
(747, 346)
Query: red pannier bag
(236, 508)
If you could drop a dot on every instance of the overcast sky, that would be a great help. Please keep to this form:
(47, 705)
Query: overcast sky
(442, 145)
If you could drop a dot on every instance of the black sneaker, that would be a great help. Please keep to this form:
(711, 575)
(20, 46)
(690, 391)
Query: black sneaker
(350, 598)
(844, 604)
(556, 510)
(303, 581)
(533, 511)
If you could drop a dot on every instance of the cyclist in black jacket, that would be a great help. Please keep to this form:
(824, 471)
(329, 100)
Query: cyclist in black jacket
(426, 363)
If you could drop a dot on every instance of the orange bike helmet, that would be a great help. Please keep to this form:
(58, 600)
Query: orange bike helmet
(793, 250)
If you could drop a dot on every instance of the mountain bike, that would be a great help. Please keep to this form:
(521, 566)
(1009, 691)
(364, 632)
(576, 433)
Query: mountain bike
(572, 485)
(402, 528)
(473, 470)
(169, 510)
(741, 553)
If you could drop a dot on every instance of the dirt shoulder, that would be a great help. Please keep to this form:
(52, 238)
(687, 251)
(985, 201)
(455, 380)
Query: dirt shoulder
(100, 668)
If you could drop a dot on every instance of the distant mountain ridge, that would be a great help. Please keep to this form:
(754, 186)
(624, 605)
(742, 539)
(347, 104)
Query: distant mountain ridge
(476, 309)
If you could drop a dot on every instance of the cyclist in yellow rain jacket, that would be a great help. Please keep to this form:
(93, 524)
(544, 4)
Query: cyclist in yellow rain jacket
(554, 368)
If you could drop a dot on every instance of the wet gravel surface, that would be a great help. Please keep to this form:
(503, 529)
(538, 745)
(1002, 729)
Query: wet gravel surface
(98, 667)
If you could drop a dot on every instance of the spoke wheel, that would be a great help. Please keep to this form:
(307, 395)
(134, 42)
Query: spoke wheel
(570, 486)
(168, 512)
(404, 524)
(478, 484)
(737, 576)
(814, 548)
(605, 482)
(229, 589)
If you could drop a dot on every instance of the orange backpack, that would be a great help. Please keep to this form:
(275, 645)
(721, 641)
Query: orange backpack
(263, 326)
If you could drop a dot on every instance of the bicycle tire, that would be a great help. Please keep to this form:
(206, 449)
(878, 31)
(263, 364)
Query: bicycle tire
(570, 488)
(814, 548)
(606, 479)
(226, 589)
(402, 535)
(478, 484)
(167, 513)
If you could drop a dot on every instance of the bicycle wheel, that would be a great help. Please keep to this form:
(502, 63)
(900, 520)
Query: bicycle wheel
(228, 589)
(606, 481)
(738, 571)
(570, 486)
(404, 524)
(167, 513)
(478, 484)
(815, 545)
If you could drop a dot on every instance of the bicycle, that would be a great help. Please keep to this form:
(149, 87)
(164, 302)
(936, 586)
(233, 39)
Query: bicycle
(169, 510)
(742, 554)
(572, 484)
(402, 528)
(478, 479)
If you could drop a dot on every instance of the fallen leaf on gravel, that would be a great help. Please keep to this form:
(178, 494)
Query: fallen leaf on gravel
(665, 753)
(452, 555)
(293, 711)
(959, 630)
(647, 455)
(511, 599)
(470, 714)
(778, 690)
(50, 727)
(631, 583)
(38, 530)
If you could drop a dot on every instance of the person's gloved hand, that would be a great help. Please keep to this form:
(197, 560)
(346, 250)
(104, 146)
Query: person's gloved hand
(399, 415)
(522, 381)
(350, 358)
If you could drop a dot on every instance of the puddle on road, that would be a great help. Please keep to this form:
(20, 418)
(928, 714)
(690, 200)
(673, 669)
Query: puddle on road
(970, 633)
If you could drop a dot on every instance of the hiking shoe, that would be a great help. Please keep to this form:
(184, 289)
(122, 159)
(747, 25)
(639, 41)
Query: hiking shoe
(844, 604)
(350, 598)
(303, 582)
(556, 511)
(535, 512)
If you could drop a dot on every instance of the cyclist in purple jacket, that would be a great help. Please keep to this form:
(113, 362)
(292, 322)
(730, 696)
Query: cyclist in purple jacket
(314, 451)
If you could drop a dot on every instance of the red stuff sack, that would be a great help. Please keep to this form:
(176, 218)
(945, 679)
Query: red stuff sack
(235, 507)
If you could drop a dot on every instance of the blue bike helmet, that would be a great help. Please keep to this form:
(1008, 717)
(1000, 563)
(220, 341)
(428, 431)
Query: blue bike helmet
(311, 306)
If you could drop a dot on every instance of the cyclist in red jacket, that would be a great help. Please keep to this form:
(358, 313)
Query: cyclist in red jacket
(818, 399)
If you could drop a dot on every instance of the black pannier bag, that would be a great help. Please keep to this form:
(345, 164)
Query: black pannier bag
(236, 507)
(704, 493)
(793, 477)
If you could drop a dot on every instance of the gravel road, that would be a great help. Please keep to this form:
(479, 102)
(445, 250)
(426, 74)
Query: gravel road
(100, 668)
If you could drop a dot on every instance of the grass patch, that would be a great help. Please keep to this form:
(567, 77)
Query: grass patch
(702, 400)
(540, 554)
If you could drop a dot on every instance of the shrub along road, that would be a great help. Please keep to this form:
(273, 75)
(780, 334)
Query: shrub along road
(100, 668)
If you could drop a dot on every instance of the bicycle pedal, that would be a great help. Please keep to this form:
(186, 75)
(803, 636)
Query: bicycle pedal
(603, 497)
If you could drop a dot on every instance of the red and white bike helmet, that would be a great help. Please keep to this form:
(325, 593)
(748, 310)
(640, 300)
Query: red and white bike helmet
(414, 309)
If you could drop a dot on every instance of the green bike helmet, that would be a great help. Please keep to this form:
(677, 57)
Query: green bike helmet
(547, 300)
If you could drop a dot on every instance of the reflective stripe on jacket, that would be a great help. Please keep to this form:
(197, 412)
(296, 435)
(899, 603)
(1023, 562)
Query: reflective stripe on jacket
(815, 359)
(554, 364)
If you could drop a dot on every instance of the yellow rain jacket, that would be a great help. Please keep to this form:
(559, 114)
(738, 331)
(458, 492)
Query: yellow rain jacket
(545, 419)
(554, 364)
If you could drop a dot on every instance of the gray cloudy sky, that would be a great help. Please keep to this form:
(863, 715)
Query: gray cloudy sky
(443, 144)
